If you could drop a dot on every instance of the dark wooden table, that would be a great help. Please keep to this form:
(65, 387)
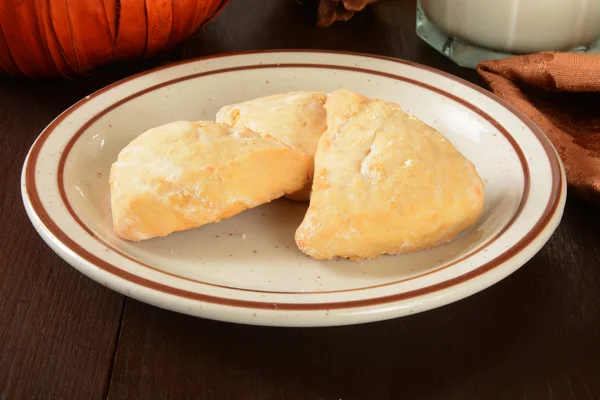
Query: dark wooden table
(535, 335)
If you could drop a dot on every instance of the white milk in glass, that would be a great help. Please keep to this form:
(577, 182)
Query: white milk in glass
(517, 26)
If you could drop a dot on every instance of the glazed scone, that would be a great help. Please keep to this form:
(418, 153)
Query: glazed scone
(385, 183)
(186, 174)
(295, 118)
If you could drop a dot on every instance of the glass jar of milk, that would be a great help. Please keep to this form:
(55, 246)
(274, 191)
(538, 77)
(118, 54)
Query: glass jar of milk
(469, 31)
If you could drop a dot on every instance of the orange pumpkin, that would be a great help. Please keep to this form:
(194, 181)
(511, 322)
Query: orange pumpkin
(48, 38)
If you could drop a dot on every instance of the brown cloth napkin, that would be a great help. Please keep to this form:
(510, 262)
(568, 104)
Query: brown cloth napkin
(560, 92)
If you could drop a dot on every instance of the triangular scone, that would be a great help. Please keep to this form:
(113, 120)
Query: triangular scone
(295, 118)
(186, 174)
(385, 183)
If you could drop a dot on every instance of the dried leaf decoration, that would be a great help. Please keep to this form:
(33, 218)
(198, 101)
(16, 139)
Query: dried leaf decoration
(331, 11)
(49, 38)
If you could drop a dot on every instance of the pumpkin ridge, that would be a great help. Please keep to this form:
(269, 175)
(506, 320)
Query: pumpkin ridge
(13, 68)
(51, 62)
(131, 41)
(160, 25)
(111, 28)
(75, 50)
(62, 32)
(183, 19)
(216, 12)
(172, 21)
(91, 33)
(30, 56)
(10, 15)
(52, 43)
(63, 53)
(111, 23)
(144, 55)
(117, 21)
(194, 14)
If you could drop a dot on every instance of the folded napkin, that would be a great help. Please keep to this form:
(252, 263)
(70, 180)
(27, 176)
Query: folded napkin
(560, 92)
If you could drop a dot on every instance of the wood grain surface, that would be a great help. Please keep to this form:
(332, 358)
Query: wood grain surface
(535, 335)
(58, 329)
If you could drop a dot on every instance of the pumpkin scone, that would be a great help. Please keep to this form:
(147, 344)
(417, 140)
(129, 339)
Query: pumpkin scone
(294, 118)
(186, 174)
(385, 183)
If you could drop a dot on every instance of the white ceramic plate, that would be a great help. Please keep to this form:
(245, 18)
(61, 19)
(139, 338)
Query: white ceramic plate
(247, 269)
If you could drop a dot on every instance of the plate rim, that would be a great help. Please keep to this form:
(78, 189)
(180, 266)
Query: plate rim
(555, 199)
(79, 132)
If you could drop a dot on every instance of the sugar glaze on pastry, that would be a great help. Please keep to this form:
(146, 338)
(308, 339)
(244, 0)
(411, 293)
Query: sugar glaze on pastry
(294, 118)
(186, 174)
(385, 183)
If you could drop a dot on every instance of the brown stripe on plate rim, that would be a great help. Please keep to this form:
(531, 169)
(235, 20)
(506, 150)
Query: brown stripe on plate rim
(492, 121)
(549, 211)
